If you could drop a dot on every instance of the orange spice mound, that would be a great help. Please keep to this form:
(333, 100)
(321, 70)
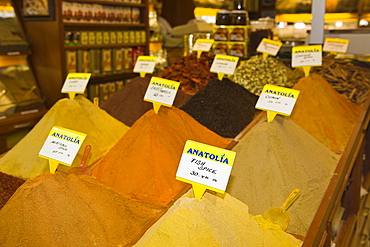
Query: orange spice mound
(70, 210)
(143, 164)
(324, 113)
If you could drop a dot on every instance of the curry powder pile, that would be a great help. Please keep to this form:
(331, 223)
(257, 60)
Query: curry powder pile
(102, 130)
(324, 113)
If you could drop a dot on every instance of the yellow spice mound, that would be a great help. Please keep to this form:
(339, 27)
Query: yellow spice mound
(324, 113)
(102, 130)
(69, 210)
(214, 221)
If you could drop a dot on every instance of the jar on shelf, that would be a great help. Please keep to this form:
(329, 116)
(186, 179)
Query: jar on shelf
(262, 28)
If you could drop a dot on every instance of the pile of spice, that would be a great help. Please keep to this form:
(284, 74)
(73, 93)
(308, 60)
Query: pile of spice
(214, 221)
(254, 73)
(324, 113)
(69, 210)
(128, 105)
(193, 73)
(102, 130)
(8, 185)
(223, 106)
(143, 163)
(346, 78)
(275, 158)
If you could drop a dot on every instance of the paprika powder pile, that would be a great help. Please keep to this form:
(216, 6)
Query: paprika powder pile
(143, 163)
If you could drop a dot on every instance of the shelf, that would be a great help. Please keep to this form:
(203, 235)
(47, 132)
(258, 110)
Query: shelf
(110, 3)
(15, 53)
(85, 47)
(20, 120)
(99, 24)
(95, 79)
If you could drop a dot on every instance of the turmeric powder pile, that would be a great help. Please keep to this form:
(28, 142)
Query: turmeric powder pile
(102, 130)
(69, 210)
(143, 163)
(324, 113)
(214, 221)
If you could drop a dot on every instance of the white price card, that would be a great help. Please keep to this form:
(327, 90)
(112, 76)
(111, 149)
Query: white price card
(206, 165)
(277, 99)
(269, 46)
(62, 145)
(224, 64)
(335, 45)
(310, 55)
(161, 91)
(76, 83)
(145, 64)
(203, 44)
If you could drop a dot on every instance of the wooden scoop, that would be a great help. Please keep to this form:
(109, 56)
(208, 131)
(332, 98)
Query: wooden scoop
(280, 216)
(82, 170)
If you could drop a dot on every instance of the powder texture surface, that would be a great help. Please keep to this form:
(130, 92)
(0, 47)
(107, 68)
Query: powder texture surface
(8, 185)
(275, 158)
(213, 221)
(102, 130)
(223, 106)
(324, 113)
(128, 105)
(70, 210)
(143, 163)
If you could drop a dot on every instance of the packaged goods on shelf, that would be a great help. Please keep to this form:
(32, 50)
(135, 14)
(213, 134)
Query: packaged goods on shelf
(103, 13)
(23, 161)
(83, 212)
(223, 221)
(272, 160)
(318, 98)
(143, 163)
(71, 64)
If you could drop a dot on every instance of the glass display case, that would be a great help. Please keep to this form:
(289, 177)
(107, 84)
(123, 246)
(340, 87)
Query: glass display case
(18, 88)
(21, 102)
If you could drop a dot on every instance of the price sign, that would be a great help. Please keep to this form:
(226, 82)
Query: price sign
(336, 45)
(224, 64)
(145, 64)
(269, 46)
(76, 83)
(202, 45)
(161, 92)
(275, 99)
(307, 55)
(205, 166)
(62, 146)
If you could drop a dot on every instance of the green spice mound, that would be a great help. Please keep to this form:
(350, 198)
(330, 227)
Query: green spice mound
(214, 221)
(102, 130)
(257, 71)
(275, 158)
(70, 210)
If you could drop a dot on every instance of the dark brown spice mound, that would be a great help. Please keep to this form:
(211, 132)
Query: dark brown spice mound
(223, 107)
(127, 104)
(8, 185)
